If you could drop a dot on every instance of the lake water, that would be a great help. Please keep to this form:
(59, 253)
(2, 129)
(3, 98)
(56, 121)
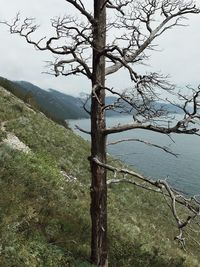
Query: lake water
(182, 172)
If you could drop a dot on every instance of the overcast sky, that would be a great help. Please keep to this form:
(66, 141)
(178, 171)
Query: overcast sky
(179, 54)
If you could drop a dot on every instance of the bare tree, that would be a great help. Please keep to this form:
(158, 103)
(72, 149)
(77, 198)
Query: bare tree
(82, 47)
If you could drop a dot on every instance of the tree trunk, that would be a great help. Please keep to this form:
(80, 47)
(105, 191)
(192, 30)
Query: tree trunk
(99, 254)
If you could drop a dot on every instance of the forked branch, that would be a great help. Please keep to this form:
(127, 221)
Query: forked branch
(78, 4)
(138, 20)
(172, 197)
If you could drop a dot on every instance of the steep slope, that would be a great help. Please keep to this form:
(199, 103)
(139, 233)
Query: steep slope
(44, 202)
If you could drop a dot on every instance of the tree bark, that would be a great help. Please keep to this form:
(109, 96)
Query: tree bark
(99, 251)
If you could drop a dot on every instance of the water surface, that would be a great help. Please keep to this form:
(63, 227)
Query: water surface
(182, 172)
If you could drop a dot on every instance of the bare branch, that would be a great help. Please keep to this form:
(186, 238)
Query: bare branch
(79, 6)
(143, 13)
(164, 148)
(25, 30)
(165, 130)
(132, 182)
(82, 130)
(160, 186)
(85, 102)
(118, 5)
(76, 34)
(82, 67)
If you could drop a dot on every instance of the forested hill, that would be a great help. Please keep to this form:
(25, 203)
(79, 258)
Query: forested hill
(44, 202)
(55, 104)
(59, 106)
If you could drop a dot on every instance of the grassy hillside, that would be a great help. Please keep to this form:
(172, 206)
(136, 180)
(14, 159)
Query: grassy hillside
(44, 202)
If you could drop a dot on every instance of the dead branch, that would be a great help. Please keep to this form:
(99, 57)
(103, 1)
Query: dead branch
(139, 16)
(129, 181)
(78, 4)
(84, 102)
(82, 130)
(162, 187)
(185, 125)
(165, 130)
(76, 34)
(164, 148)
(117, 5)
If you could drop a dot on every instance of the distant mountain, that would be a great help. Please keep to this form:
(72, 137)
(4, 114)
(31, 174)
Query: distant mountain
(63, 106)
(54, 104)
(59, 106)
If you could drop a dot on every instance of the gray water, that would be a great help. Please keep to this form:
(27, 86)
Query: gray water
(182, 172)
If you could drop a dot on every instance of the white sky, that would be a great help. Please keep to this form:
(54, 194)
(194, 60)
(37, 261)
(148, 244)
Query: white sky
(179, 56)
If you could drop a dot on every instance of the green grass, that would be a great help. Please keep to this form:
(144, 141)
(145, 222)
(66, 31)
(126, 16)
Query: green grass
(44, 217)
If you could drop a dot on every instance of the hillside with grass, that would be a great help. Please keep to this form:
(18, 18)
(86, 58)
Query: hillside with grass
(44, 202)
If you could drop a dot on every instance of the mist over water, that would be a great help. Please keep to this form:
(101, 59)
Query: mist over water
(183, 172)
